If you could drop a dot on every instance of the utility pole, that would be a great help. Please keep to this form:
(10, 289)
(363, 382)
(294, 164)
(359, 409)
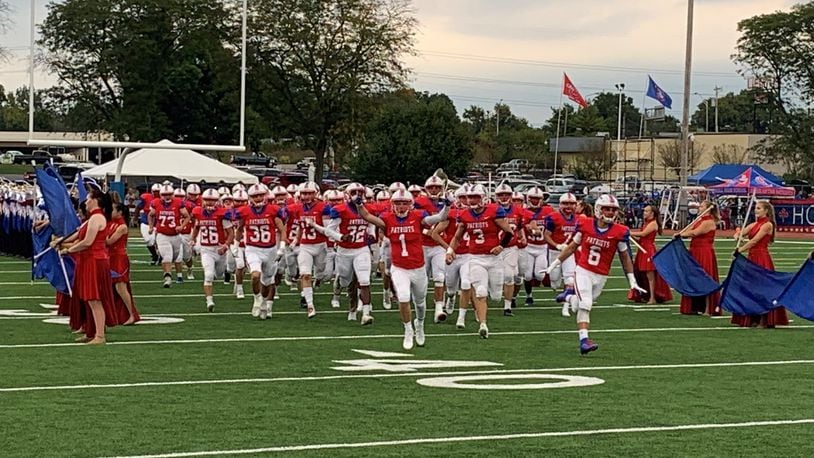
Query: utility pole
(717, 89)
(497, 113)
(685, 119)
(621, 88)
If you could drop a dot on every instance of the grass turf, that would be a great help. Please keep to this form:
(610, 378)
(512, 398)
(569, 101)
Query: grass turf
(262, 399)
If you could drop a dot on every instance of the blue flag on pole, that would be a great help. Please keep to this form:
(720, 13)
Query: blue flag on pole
(57, 201)
(682, 272)
(81, 190)
(797, 296)
(749, 289)
(49, 266)
(655, 92)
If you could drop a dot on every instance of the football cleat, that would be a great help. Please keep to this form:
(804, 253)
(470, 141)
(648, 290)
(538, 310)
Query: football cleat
(563, 296)
(264, 310)
(386, 301)
(239, 292)
(210, 307)
(586, 346)
(335, 302)
(407, 344)
(565, 307)
(461, 324)
(256, 309)
(190, 275)
(449, 305)
(420, 338)
(483, 331)
(508, 312)
(312, 312)
(529, 301)
(167, 281)
(179, 279)
(367, 320)
(352, 315)
(303, 304)
(514, 302)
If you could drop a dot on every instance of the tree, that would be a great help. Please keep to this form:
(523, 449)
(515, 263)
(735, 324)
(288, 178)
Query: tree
(587, 122)
(607, 105)
(591, 166)
(476, 118)
(14, 111)
(741, 112)
(776, 50)
(409, 139)
(313, 59)
(670, 155)
(151, 69)
(729, 154)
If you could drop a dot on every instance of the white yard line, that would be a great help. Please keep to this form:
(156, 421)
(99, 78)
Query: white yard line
(494, 437)
(386, 336)
(398, 375)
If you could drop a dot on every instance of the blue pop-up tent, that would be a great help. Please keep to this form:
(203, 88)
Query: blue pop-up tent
(719, 173)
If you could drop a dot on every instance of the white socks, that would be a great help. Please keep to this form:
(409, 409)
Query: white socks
(308, 294)
(583, 334)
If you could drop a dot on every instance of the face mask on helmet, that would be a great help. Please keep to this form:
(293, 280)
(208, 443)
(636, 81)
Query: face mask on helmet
(434, 190)
(258, 200)
(504, 198)
(402, 207)
(307, 196)
(474, 200)
(608, 214)
(167, 198)
(567, 208)
(209, 204)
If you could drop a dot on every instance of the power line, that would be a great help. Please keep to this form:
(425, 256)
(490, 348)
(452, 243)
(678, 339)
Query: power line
(560, 65)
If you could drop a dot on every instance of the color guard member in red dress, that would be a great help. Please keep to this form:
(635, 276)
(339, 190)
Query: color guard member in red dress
(120, 264)
(702, 233)
(643, 264)
(760, 234)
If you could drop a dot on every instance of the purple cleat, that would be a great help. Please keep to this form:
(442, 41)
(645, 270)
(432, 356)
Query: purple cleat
(586, 346)
(563, 296)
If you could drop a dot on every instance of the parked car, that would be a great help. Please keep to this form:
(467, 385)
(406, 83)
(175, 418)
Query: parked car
(508, 174)
(38, 156)
(8, 156)
(287, 178)
(515, 164)
(255, 158)
(559, 185)
(306, 162)
(68, 171)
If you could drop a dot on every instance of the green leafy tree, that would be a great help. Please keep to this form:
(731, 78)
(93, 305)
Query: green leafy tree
(587, 122)
(742, 112)
(14, 111)
(776, 49)
(151, 69)
(607, 105)
(476, 118)
(407, 140)
(313, 59)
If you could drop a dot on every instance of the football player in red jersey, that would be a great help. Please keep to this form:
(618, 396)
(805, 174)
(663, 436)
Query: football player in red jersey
(457, 273)
(403, 226)
(483, 223)
(167, 214)
(238, 248)
(560, 229)
(599, 240)
(191, 199)
(509, 257)
(433, 252)
(537, 250)
(334, 198)
(143, 209)
(519, 201)
(383, 247)
(312, 252)
(260, 222)
(213, 233)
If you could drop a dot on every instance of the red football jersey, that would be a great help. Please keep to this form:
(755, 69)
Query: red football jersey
(515, 216)
(599, 247)
(211, 231)
(259, 226)
(167, 216)
(351, 224)
(189, 205)
(452, 228)
(431, 207)
(406, 249)
(539, 216)
(301, 213)
(562, 228)
(481, 228)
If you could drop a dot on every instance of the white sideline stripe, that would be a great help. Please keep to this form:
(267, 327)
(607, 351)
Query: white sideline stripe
(651, 310)
(442, 440)
(383, 336)
(637, 308)
(402, 374)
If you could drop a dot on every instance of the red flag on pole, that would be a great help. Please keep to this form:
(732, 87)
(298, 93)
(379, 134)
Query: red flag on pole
(570, 91)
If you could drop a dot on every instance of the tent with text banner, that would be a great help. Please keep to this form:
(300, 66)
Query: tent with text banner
(749, 182)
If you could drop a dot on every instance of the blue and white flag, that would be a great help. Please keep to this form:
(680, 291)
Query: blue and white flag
(655, 92)
(81, 189)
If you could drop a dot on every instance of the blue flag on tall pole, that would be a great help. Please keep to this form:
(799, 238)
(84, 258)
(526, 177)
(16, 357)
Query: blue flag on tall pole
(655, 92)
(58, 203)
(81, 189)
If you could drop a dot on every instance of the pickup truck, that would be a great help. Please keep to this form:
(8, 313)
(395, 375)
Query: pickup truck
(39, 157)
(254, 159)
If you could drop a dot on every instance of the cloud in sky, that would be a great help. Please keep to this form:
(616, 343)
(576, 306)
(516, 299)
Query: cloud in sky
(636, 37)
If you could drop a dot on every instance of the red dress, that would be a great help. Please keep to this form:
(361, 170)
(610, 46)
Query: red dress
(702, 249)
(643, 264)
(759, 254)
(120, 264)
(92, 279)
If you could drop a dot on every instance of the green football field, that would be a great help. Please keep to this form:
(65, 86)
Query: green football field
(191, 383)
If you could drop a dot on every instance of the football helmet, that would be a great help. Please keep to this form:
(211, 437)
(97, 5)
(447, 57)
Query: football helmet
(606, 207)
(210, 198)
(504, 193)
(167, 192)
(155, 187)
(193, 189)
(383, 196)
(402, 202)
(179, 193)
(434, 186)
(258, 194)
(535, 197)
(355, 189)
(396, 186)
(475, 196)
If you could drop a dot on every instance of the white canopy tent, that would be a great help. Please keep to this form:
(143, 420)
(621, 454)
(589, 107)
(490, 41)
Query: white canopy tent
(184, 164)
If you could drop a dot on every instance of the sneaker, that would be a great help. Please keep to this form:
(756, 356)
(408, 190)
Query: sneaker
(190, 275)
(239, 293)
(227, 277)
(420, 338)
(312, 312)
(303, 304)
(179, 279)
(367, 320)
(565, 307)
(167, 282)
(461, 324)
(335, 302)
(264, 310)
(256, 308)
(407, 344)
(449, 305)
(508, 312)
(563, 296)
(514, 302)
(352, 315)
(440, 315)
(210, 307)
(483, 331)
(586, 346)
(386, 301)
(529, 301)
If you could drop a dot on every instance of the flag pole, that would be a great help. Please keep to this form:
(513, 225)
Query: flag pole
(557, 138)
(644, 115)
(752, 199)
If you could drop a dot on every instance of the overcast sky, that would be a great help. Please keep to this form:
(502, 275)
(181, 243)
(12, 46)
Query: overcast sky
(481, 51)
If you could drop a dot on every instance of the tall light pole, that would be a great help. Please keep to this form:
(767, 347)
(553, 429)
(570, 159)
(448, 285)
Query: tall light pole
(620, 87)
(706, 110)
(685, 118)
(497, 113)
(717, 90)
